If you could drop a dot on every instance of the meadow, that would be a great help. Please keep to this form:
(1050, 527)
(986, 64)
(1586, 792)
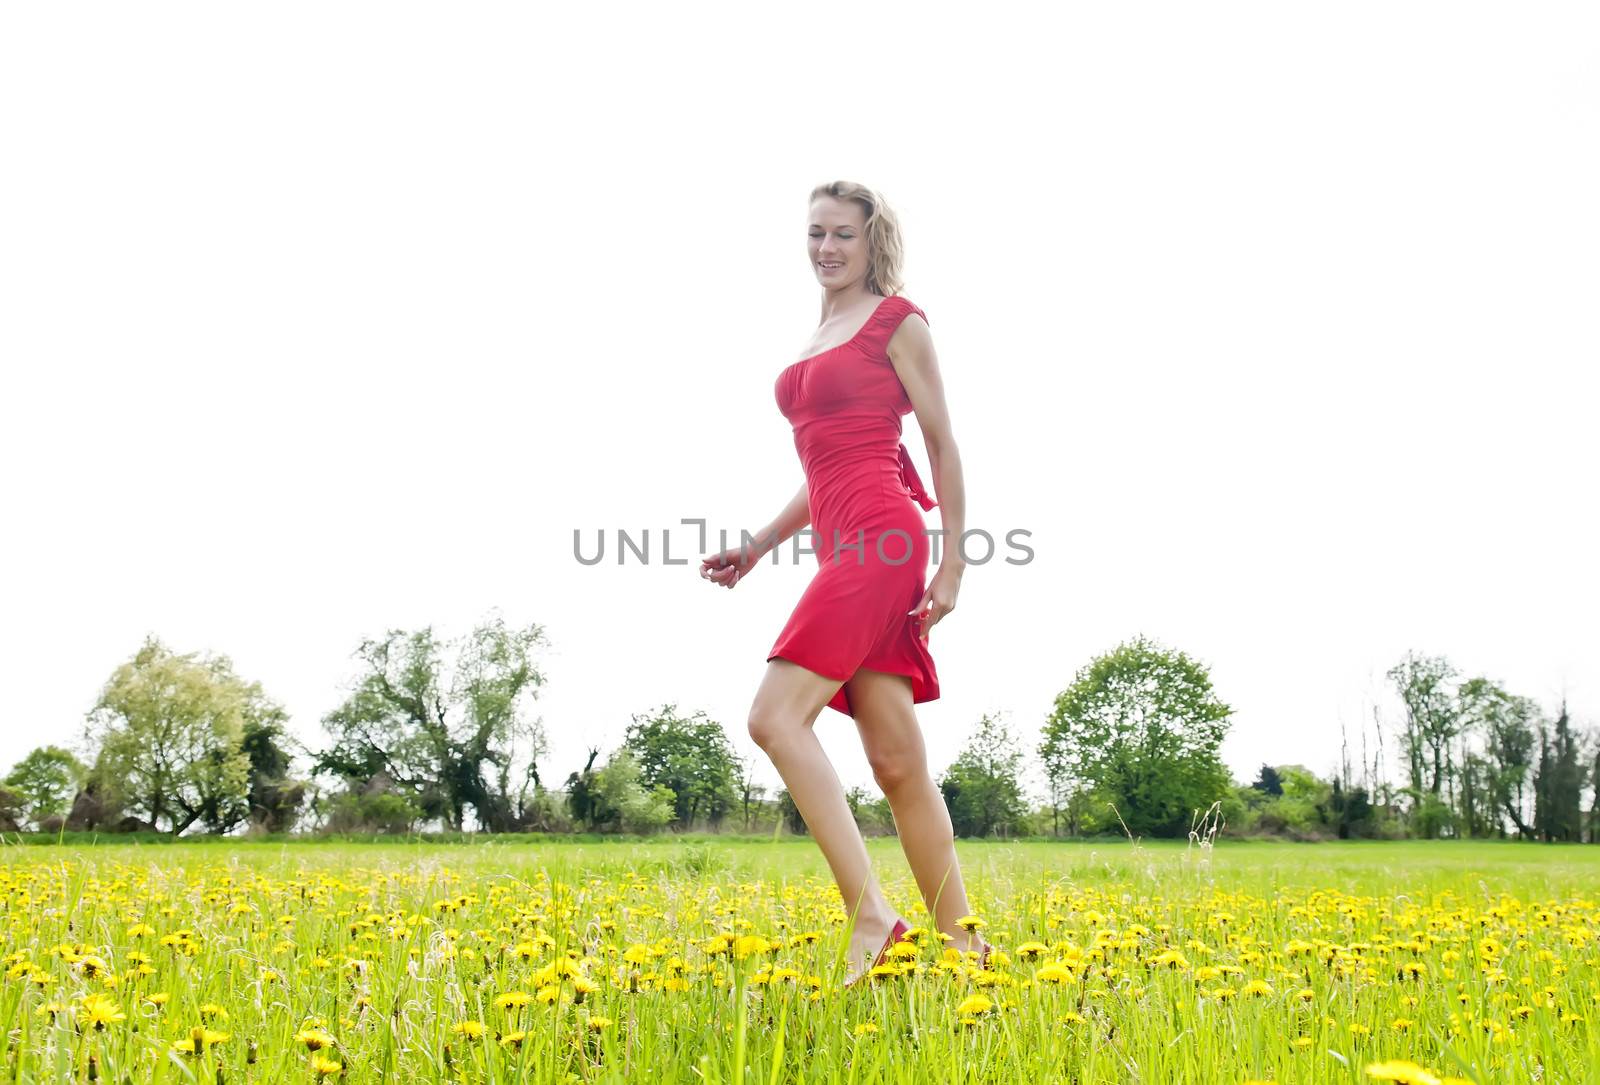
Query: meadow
(717, 960)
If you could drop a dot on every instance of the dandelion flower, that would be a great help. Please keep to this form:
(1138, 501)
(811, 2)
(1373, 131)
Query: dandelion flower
(1407, 1073)
(100, 1011)
(975, 1004)
(513, 1000)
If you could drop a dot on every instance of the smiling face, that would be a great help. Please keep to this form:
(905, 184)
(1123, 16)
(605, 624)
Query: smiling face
(837, 242)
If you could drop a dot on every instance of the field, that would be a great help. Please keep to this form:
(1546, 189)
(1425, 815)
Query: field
(716, 961)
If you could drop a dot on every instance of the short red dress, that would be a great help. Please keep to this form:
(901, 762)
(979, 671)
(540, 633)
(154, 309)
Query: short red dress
(846, 405)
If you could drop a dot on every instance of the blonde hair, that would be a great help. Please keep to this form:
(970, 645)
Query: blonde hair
(885, 249)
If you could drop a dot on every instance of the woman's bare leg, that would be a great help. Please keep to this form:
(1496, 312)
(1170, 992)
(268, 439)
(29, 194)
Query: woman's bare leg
(893, 741)
(786, 706)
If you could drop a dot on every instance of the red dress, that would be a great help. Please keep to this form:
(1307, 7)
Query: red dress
(846, 404)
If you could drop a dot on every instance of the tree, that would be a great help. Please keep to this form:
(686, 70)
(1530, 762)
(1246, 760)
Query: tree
(1268, 781)
(751, 791)
(1056, 762)
(170, 732)
(789, 813)
(626, 799)
(691, 756)
(581, 800)
(983, 788)
(12, 812)
(1559, 782)
(452, 736)
(1143, 729)
(1433, 719)
(274, 796)
(44, 783)
(1506, 726)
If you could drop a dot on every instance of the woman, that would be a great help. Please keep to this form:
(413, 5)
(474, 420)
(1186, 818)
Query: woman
(857, 641)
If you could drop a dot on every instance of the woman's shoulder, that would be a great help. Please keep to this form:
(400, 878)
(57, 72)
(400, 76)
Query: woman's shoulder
(895, 308)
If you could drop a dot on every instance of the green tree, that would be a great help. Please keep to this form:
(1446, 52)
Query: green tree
(170, 732)
(44, 783)
(1506, 727)
(1559, 783)
(789, 814)
(582, 803)
(1433, 719)
(690, 755)
(13, 817)
(625, 798)
(1056, 761)
(983, 787)
(275, 796)
(448, 722)
(1143, 729)
(1268, 782)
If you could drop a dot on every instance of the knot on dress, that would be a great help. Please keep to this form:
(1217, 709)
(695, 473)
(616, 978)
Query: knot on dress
(908, 475)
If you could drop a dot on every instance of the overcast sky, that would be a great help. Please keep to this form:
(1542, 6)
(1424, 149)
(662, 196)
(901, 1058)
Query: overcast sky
(1274, 325)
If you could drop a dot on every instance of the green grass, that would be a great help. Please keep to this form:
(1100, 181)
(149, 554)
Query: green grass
(1490, 951)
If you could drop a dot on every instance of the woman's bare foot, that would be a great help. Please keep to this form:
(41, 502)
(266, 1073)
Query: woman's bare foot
(869, 937)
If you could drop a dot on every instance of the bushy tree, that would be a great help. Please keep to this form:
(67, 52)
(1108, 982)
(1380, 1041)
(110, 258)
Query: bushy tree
(170, 731)
(275, 796)
(983, 787)
(789, 814)
(1141, 729)
(1268, 782)
(1433, 720)
(1559, 782)
(44, 783)
(692, 757)
(625, 799)
(448, 722)
(1506, 726)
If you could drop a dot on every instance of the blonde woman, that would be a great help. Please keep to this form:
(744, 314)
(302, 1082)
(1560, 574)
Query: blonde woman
(857, 641)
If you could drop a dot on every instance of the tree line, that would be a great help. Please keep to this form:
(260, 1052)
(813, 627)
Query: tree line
(440, 735)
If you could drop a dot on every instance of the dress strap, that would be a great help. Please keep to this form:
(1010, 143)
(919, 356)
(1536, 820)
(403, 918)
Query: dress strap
(908, 475)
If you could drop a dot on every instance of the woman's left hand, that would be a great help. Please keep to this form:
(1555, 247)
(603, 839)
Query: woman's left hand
(937, 601)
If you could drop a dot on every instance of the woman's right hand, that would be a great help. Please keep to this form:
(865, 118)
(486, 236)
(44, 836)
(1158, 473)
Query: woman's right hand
(728, 567)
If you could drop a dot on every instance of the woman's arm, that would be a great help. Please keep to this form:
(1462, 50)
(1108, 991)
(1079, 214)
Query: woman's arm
(915, 363)
(795, 515)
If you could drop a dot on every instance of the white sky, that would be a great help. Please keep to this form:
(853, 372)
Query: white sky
(1275, 325)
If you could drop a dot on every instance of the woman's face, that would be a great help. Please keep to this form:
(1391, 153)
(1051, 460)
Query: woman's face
(837, 242)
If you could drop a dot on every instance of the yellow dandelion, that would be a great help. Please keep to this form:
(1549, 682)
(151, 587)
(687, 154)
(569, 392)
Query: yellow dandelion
(975, 1004)
(199, 1039)
(513, 1000)
(1403, 1071)
(100, 1011)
